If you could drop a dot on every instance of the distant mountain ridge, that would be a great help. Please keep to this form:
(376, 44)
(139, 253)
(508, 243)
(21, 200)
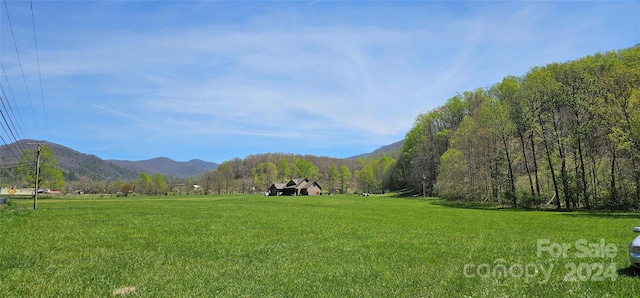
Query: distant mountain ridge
(75, 164)
(388, 149)
(167, 166)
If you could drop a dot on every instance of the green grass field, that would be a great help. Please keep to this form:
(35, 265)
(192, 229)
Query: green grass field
(308, 246)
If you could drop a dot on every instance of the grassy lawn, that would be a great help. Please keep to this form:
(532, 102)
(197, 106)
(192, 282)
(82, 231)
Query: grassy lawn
(306, 246)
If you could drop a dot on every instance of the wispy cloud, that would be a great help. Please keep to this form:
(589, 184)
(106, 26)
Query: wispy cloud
(118, 113)
(350, 72)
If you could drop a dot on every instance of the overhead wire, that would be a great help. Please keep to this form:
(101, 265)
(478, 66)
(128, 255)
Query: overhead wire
(11, 128)
(24, 78)
(10, 132)
(10, 123)
(35, 40)
(7, 108)
(19, 118)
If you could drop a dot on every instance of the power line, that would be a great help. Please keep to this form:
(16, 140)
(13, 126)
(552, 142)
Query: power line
(9, 147)
(7, 113)
(24, 78)
(4, 95)
(10, 122)
(7, 125)
(35, 40)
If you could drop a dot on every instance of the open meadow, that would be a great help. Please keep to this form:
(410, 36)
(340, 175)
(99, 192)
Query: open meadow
(309, 246)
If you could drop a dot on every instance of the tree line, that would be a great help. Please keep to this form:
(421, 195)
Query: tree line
(256, 173)
(253, 174)
(564, 134)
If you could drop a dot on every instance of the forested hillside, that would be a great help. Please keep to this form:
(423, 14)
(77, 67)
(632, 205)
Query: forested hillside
(167, 166)
(564, 134)
(256, 173)
(384, 150)
(74, 164)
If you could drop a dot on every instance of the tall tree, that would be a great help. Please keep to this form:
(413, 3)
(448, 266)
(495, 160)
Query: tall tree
(258, 176)
(345, 177)
(227, 174)
(284, 170)
(451, 174)
(366, 178)
(50, 172)
(307, 169)
(143, 183)
(159, 184)
(510, 91)
(541, 88)
(334, 176)
(271, 173)
(207, 181)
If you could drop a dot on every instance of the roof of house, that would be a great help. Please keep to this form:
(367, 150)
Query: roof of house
(311, 183)
(280, 185)
(296, 183)
(299, 180)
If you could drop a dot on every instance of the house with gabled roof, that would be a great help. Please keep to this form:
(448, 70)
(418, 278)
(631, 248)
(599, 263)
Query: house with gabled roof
(296, 187)
(277, 189)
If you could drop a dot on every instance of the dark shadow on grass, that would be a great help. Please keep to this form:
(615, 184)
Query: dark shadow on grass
(603, 214)
(469, 205)
(405, 194)
(629, 272)
(491, 205)
(568, 212)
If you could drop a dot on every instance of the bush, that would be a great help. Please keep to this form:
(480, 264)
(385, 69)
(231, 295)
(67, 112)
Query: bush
(530, 201)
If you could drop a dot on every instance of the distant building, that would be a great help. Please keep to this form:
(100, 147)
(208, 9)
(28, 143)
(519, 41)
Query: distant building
(20, 191)
(296, 187)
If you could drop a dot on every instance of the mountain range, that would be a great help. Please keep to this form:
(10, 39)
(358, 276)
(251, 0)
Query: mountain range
(76, 164)
(380, 151)
(167, 166)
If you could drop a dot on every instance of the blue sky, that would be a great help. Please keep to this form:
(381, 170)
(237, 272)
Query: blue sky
(216, 80)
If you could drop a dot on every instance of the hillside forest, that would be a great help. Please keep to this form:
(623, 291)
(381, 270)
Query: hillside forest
(564, 135)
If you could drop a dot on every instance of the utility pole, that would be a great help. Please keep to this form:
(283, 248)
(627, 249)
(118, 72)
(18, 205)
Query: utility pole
(35, 195)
